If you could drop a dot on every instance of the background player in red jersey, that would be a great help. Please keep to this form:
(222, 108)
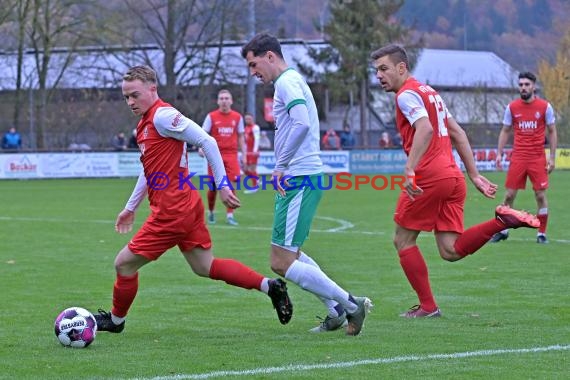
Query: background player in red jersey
(177, 212)
(529, 117)
(435, 188)
(226, 127)
(252, 135)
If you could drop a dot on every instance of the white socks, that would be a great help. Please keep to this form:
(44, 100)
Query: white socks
(264, 287)
(314, 280)
(117, 320)
(330, 304)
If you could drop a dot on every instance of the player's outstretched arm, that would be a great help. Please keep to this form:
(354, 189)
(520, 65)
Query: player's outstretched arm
(461, 143)
(169, 122)
(228, 198)
(124, 222)
(125, 219)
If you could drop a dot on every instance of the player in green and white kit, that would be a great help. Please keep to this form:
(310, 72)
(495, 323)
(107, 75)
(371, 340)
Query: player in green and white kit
(298, 172)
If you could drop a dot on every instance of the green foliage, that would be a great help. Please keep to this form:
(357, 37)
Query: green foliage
(354, 30)
(521, 32)
(58, 247)
(555, 79)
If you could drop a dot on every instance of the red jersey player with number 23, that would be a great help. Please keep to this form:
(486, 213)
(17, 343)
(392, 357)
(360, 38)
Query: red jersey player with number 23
(434, 191)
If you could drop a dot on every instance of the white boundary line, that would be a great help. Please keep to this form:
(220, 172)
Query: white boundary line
(356, 363)
(345, 227)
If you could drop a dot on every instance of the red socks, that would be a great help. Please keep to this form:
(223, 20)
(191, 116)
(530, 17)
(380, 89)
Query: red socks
(235, 273)
(231, 271)
(475, 237)
(124, 293)
(416, 271)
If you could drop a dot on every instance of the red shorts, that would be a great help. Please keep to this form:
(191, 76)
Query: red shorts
(156, 235)
(439, 208)
(231, 164)
(520, 170)
(251, 158)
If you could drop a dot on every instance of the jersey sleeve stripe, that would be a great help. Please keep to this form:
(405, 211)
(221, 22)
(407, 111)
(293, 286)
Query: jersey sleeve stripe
(295, 102)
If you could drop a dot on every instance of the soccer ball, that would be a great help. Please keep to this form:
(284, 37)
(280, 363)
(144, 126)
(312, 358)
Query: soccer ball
(75, 327)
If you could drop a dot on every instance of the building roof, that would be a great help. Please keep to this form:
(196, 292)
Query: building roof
(100, 67)
(462, 68)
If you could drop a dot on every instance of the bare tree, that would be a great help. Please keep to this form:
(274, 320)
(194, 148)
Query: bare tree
(53, 24)
(12, 14)
(22, 11)
(173, 36)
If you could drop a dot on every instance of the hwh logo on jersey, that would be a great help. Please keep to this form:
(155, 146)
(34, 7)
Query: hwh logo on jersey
(225, 131)
(524, 124)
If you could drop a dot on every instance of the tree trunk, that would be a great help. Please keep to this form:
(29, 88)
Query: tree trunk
(169, 53)
(364, 140)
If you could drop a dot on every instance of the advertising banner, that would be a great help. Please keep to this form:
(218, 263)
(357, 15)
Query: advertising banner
(485, 159)
(377, 161)
(562, 158)
(19, 165)
(127, 164)
(334, 161)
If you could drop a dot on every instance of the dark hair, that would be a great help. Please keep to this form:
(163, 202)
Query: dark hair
(528, 75)
(262, 43)
(396, 53)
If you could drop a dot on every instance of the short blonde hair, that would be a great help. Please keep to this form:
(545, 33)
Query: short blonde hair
(143, 73)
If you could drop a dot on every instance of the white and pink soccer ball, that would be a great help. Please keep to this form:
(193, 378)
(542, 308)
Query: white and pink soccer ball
(75, 327)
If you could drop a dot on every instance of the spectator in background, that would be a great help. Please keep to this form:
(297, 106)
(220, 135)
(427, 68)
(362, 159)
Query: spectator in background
(346, 138)
(385, 141)
(79, 147)
(264, 141)
(252, 135)
(12, 140)
(397, 141)
(331, 141)
(133, 140)
(118, 142)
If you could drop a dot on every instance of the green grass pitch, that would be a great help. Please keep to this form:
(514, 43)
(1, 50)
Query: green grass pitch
(506, 308)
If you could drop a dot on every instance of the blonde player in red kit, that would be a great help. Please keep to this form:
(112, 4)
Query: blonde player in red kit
(435, 189)
(177, 213)
(252, 135)
(529, 118)
(227, 128)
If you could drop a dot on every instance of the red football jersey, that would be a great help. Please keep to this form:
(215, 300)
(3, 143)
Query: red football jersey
(164, 160)
(413, 101)
(224, 127)
(528, 121)
(251, 134)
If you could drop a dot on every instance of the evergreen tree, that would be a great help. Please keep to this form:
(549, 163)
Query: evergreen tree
(354, 30)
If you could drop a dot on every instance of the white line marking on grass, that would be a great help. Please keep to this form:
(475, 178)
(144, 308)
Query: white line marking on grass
(356, 363)
(54, 220)
(346, 227)
(344, 224)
